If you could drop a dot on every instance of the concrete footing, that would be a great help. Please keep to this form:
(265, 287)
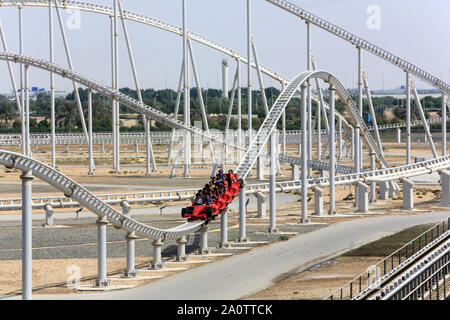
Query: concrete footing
(445, 183)
(261, 204)
(318, 201)
(157, 262)
(203, 249)
(408, 194)
(48, 216)
(295, 173)
(363, 197)
(181, 249)
(383, 192)
(260, 168)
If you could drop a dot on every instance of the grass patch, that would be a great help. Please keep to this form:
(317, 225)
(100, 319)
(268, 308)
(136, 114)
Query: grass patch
(284, 238)
(387, 245)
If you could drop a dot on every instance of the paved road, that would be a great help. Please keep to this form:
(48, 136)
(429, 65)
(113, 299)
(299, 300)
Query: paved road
(242, 275)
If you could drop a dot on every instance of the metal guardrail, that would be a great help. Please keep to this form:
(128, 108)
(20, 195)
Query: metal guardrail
(362, 283)
(422, 278)
(434, 283)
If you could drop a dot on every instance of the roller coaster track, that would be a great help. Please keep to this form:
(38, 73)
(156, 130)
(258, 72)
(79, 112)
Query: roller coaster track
(363, 44)
(315, 164)
(163, 137)
(280, 104)
(108, 92)
(75, 191)
(157, 23)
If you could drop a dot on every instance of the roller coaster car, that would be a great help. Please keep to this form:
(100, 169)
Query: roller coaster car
(203, 212)
(211, 211)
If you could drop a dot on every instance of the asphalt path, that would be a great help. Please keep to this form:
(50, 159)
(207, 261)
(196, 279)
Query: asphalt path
(241, 275)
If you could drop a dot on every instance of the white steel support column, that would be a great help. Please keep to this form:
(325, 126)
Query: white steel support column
(187, 118)
(177, 106)
(308, 67)
(52, 86)
(408, 119)
(69, 62)
(372, 113)
(130, 270)
(260, 80)
(373, 184)
(230, 110)
(283, 124)
(90, 141)
(249, 74)
(360, 108)
(11, 73)
(424, 121)
(332, 146)
(304, 173)
(239, 108)
(113, 101)
(203, 249)
(223, 243)
(149, 149)
(242, 216)
(27, 258)
(444, 124)
(116, 121)
(27, 114)
(200, 97)
(102, 280)
(340, 137)
(22, 84)
(272, 181)
(319, 133)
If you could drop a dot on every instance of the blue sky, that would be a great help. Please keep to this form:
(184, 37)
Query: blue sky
(416, 30)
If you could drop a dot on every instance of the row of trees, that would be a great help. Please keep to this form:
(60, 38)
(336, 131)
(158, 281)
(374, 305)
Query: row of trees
(68, 119)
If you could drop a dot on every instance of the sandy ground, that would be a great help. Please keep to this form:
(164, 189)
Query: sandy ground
(52, 276)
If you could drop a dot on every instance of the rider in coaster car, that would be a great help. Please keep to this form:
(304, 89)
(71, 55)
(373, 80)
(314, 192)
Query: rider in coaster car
(198, 199)
(221, 188)
(212, 184)
(220, 176)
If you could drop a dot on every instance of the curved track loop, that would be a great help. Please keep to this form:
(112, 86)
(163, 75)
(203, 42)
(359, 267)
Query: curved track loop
(108, 92)
(363, 44)
(280, 104)
(153, 22)
(75, 191)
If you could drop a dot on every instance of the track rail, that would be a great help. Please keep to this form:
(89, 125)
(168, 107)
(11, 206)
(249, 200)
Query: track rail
(108, 92)
(363, 44)
(280, 104)
(75, 191)
(163, 25)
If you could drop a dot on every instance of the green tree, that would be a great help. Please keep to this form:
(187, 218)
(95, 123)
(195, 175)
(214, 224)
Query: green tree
(8, 110)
